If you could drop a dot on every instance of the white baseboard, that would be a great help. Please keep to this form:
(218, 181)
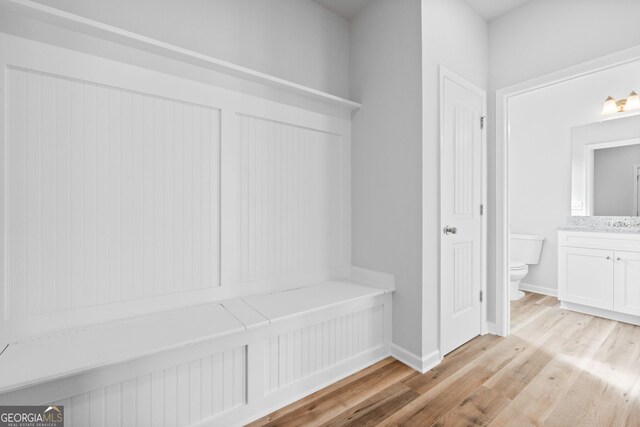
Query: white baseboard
(601, 312)
(539, 289)
(420, 364)
(492, 328)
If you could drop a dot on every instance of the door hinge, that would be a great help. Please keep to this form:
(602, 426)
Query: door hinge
(481, 209)
(482, 120)
(481, 296)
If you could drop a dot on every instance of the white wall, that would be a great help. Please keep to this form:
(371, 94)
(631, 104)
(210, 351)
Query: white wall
(543, 36)
(540, 155)
(297, 40)
(614, 179)
(455, 37)
(386, 153)
(396, 48)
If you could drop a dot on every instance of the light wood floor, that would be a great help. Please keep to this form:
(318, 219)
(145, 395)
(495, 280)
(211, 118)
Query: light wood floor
(558, 368)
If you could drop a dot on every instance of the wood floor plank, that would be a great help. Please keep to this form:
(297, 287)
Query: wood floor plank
(631, 416)
(436, 402)
(528, 314)
(536, 325)
(528, 299)
(557, 368)
(376, 408)
(599, 393)
(323, 409)
(549, 301)
(521, 345)
(541, 396)
(320, 393)
(476, 410)
(452, 363)
(514, 377)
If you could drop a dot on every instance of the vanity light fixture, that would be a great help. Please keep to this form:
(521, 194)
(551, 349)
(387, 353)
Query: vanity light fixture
(632, 102)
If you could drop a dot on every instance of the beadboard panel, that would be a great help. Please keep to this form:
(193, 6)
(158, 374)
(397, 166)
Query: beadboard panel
(113, 195)
(295, 355)
(291, 200)
(463, 163)
(127, 191)
(181, 395)
(462, 281)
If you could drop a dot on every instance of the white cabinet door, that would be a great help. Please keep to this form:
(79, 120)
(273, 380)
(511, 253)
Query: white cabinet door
(627, 282)
(586, 277)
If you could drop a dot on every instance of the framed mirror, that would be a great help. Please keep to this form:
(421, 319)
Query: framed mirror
(605, 168)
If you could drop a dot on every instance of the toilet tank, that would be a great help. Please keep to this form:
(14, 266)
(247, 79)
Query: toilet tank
(526, 248)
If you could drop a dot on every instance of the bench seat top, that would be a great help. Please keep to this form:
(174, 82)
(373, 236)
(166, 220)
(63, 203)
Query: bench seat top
(37, 360)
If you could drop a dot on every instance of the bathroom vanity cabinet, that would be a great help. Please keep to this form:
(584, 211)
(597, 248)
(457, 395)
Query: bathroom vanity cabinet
(599, 273)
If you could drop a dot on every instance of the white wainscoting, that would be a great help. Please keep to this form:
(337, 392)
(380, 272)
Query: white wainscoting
(299, 353)
(127, 191)
(180, 395)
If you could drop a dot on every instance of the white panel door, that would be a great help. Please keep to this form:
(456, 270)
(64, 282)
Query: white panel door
(586, 277)
(627, 283)
(461, 196)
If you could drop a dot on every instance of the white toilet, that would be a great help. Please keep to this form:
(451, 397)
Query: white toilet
(525, 251)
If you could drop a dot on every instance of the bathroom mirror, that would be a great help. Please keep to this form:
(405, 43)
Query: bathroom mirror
(605, 168)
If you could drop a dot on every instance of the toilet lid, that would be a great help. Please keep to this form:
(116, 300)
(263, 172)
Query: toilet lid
(516, 265)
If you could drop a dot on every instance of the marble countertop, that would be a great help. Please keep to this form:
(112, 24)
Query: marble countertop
(607, 229)
(602, 224)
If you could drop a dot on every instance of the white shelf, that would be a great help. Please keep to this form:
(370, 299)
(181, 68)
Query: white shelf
(90, 27)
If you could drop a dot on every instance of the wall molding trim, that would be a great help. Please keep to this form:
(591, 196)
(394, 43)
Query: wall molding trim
(111, 33)
(420, 364)
(539, 289)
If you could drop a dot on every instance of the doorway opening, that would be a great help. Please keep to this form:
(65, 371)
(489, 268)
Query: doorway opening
(505, 99)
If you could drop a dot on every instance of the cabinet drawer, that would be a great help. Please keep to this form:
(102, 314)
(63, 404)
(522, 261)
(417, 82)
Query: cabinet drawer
(586, 276)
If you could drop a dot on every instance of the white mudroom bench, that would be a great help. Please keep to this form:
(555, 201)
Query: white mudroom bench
(204, 298)
(222, 363)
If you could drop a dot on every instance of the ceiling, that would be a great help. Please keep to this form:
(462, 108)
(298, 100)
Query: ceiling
(488, 9)
(491, 9)
(345, 8)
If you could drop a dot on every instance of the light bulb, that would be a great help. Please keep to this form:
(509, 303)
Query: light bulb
(610, 106)
(633, 102)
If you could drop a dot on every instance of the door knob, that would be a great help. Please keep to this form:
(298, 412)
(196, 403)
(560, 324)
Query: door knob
(450, 230)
